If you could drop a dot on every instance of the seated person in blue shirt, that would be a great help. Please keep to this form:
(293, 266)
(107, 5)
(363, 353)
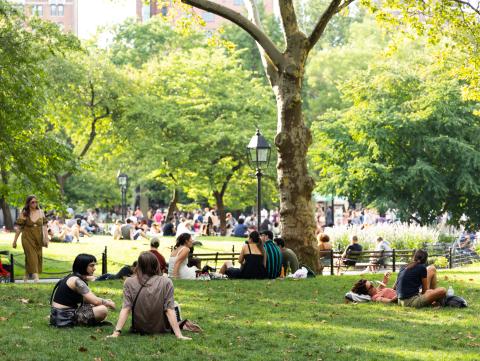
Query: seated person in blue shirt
(274, 255)
(240, 229)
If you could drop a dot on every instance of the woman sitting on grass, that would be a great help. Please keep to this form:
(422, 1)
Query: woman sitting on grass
(177, 264)
(149, 296)
(72, 301)
(252, 259)
(378, 294)
(414, 276)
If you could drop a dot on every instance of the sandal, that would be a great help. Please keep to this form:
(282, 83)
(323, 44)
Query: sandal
(188, 325)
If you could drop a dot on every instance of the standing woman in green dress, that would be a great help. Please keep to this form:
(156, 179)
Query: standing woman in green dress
(32, 224)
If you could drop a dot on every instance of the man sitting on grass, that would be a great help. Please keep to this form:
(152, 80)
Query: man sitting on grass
(290, 260)
(274, 255)
(72, 301)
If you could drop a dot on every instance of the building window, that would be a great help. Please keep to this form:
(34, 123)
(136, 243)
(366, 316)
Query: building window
(53, 10)
(208, 17)
(37, 10)
(238, 2)
(60, 10)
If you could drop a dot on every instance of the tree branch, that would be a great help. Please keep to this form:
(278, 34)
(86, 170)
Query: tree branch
(268, 66)
(289, 18)
(468, 4)
(344, 5)
(271, 50)
(229, 176)
(331, 10)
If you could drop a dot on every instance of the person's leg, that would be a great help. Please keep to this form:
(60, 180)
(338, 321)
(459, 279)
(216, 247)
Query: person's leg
(100, 312)
(431, 277)
(76, 234)
(434, 295)
(226, 265)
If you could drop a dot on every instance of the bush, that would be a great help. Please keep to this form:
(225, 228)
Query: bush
(441, 262)
(399, 235)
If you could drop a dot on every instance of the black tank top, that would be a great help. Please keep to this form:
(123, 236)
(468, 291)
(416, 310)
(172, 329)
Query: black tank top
(64, 295)
(253, 266)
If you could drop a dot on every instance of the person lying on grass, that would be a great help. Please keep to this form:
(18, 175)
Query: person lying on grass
(378, 294)
(148, 295)
(72, 301)
(417, 275)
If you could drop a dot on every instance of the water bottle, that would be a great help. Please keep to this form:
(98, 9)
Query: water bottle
(450, 291)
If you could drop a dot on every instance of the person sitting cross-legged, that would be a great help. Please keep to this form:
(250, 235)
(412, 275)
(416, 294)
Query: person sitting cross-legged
(252, 259)
(417, 275)
(274, 255)
(149, 297)
(382, 293)
(72, 301)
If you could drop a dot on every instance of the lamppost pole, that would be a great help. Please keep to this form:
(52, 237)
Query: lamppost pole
(122, 180)
(259, 196)
(124, 202)
(258, 157)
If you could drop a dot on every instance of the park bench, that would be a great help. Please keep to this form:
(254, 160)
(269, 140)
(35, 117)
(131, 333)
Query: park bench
(216, 257)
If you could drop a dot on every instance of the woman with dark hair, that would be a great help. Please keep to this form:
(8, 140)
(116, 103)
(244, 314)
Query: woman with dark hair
(72, 301)
(252, 260)
(149, 297)
(32, 224)
(414, 276)
(382, 293)
(177, 264)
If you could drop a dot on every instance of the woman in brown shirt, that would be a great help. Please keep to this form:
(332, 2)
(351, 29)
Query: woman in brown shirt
(150, 295)
(32, 224)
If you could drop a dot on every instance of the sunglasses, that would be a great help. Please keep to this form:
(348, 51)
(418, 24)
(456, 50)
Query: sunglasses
(33, 202)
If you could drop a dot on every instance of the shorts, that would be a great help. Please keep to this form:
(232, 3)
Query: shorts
(233, 272)
(69, 317)
(417, 301)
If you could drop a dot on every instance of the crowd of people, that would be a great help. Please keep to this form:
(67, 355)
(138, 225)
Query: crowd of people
(148, 291)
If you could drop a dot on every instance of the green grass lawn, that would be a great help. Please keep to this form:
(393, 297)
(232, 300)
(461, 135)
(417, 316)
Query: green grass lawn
(58, 257)
(255, 320)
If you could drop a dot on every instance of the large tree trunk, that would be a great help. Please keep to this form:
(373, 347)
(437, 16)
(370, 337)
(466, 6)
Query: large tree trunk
(293, 138)
(172, 206)
(7, 216)
(221, 212)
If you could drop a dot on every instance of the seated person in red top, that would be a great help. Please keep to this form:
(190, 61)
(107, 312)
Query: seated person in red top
(378, 294)
(154, 244)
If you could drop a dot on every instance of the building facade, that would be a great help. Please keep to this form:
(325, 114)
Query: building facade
(64, 13)
(212, 21)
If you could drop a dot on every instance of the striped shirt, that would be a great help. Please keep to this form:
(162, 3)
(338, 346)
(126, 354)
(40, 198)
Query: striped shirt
(274, 259)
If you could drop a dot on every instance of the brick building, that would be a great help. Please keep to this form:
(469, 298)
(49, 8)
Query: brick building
(212, 21)
(62, 12)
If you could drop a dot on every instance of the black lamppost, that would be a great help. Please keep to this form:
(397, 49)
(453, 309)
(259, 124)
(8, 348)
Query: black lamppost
(122, 180)
(258, 158)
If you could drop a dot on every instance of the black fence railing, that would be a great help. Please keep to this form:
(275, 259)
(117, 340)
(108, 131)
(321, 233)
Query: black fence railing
(393, 259)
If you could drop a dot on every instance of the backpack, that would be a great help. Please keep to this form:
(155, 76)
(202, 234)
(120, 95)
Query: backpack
(455, 301)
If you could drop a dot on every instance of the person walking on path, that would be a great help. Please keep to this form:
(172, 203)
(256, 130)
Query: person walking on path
(32, 224)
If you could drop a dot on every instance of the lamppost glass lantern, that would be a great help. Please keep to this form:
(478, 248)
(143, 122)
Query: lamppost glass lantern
(258, 158)
(122, 179)
(258, 151)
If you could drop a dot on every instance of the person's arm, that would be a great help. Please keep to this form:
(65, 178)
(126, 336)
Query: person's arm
(385, 300)
(424, 285)
(241, 256)
(18, 230)
(89, 297)
(122, 319)
(172, 319)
